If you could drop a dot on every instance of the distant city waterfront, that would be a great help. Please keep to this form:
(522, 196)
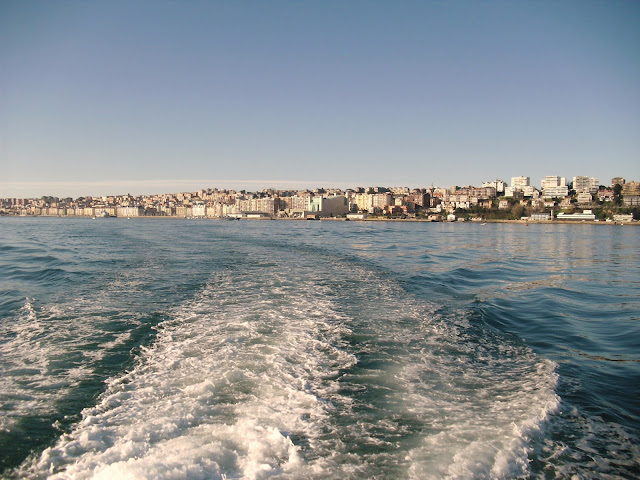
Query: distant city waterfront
(582, 199)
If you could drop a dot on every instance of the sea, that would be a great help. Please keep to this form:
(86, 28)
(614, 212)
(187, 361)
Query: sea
(211, 349)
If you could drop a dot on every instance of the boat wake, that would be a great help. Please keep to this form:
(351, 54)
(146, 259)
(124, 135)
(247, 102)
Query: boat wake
(307, 369)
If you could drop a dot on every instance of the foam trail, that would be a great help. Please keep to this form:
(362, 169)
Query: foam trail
(223, 391)
(320, 368)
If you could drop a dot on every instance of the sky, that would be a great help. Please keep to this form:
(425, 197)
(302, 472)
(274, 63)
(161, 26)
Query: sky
(141, 97)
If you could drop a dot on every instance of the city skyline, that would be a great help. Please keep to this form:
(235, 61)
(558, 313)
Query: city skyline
(160, 187)
(112, 97)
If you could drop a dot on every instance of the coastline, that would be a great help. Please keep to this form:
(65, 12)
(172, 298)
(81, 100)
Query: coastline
(341, 219)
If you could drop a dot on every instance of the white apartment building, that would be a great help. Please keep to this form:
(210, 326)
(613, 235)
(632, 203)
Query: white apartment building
(214, 209)
(296, 202)
(269, 205)
(127, 211)
(364, 201)
(381, 200)
(199, 209)
(371, 201)
(558, 191)
(554, 186)
(582, 184)
(497, 184)
(520, 182)
(527, 191)
(553, 181)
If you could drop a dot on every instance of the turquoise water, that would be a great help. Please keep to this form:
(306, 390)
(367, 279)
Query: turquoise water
(212, 349)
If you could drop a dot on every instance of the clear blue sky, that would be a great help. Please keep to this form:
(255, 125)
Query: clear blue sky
(145, 97)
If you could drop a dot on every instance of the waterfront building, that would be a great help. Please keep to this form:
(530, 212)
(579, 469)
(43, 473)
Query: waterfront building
(181, 211)
(199, 209)
(214, 209)
(268, 205)
(584, 216)
(129, 211)
(329, 206)
(363, 202)
(105, 211)
(168, 210)
(381, 200)
(540, 217)
(295, 202)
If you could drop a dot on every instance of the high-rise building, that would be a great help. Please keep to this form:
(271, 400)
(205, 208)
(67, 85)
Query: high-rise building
(519, 183)
(582, 184)
(554, 186)
(553, 181)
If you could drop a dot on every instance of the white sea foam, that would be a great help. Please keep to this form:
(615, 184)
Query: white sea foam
(290, 373)
(45, 353)
(223, 391)
(482, 400)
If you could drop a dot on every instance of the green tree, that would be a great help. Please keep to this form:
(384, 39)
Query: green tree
(517, 211)
(617, 194)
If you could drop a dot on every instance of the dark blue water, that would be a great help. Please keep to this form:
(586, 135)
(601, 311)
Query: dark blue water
(210, 349)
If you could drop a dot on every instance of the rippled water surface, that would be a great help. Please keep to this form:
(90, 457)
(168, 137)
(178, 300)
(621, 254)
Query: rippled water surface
(209, 349)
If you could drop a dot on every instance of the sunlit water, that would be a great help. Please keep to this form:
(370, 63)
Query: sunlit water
(256, 349)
